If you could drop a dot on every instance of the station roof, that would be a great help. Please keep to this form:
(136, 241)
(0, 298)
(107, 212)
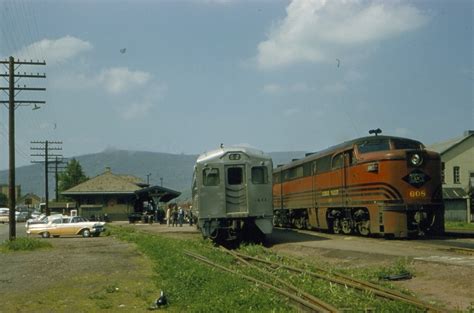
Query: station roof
(106, 183)
(163, 194)
(109, 183)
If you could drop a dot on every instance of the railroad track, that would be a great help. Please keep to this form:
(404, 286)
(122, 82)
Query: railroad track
(302, 299)
(348, 281)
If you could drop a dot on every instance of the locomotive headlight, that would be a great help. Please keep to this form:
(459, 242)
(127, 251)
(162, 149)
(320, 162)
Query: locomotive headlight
(416, 159)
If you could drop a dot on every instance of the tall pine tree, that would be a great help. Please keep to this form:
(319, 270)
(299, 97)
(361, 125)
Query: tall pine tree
(72, 176)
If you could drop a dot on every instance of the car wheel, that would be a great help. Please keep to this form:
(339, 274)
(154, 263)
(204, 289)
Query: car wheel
(45, 234)
(86, 233)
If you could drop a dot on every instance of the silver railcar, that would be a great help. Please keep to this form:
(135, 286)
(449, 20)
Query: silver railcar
(232, 193)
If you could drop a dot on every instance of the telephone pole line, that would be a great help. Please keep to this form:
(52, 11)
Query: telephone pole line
(13, 91)
(46, 147)
(56, 169)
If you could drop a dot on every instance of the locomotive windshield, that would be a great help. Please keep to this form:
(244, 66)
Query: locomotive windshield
(383, 144)
(374, 145)
(259, 175)
(406, 144)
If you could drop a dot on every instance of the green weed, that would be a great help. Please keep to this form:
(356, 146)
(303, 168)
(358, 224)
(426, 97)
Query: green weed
(24, 244)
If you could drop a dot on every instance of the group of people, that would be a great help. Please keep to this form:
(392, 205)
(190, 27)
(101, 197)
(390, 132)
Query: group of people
(176, 215)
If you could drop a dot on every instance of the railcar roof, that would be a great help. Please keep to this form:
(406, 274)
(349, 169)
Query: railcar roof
(218, 153)
(339, 147)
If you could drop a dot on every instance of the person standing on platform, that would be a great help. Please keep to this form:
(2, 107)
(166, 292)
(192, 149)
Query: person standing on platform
(168, 215)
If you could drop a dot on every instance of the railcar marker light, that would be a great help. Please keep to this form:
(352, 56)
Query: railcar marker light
(373, 167)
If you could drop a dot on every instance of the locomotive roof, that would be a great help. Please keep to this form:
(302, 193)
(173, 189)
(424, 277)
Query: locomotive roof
(341, 146)
(218, 153)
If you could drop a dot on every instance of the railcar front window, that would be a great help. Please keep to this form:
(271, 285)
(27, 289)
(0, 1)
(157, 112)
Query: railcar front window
(259, 175)
(406, 144)
(234, 176)
(210, 177)
(374, 145)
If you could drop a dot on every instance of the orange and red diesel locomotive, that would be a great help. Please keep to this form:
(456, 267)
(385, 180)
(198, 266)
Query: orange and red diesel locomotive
(372, 185)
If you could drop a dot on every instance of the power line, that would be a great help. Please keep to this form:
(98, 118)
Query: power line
(13, 104)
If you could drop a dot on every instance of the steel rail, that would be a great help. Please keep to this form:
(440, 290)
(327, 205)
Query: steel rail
(312, 307)
(352, 282)
(306, 295)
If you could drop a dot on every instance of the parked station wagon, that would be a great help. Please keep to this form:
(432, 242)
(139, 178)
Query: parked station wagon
(66, 225)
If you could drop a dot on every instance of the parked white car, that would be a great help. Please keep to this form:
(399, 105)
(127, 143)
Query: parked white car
(66, 225)
(4, 215)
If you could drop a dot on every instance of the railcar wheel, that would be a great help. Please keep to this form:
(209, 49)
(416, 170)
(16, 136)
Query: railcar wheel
(364, 228)
(299, 222)
(346, 226)
(336, 226)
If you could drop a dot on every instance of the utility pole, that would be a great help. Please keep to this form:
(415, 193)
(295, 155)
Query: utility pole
(56, 169)
(46, 147)
(12, 105)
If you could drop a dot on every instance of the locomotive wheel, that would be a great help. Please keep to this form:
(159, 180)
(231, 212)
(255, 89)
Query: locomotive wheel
(346, 226)
(364, 228)
(336, 226)
(299, 222)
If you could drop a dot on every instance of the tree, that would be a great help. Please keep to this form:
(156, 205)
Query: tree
(72, 176)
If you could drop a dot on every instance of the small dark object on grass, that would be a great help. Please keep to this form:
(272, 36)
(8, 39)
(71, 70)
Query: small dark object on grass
(401, 276)
(160, 302)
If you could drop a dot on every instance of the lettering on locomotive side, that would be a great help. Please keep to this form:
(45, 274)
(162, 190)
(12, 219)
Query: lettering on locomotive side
(417, 193)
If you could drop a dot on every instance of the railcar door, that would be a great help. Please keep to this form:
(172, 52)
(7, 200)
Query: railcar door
(236, 189)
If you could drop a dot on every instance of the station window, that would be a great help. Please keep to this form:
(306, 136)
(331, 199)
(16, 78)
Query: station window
(259, 175)
(234, 175)
(210, 177)
(456, 175)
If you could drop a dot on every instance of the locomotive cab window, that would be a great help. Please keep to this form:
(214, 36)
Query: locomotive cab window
(210, 177)
(406, 144)
(374, 145)
(235, 176)
(338, 161)
(259, 175)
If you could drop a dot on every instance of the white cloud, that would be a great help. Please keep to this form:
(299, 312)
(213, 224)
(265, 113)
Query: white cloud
(120, 79)
(55, 51)
(320, 30)
(142, 108)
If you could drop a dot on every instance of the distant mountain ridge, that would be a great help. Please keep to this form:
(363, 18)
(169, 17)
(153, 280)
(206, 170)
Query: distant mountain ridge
(175, 169)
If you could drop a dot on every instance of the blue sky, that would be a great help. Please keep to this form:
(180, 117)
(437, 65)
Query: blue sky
(275, 75)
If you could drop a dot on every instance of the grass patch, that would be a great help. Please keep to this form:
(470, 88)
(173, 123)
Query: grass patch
(459, 225)
(191, 286)
(195, 287)
(24, 244)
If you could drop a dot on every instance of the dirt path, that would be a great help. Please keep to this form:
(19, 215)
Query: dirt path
(88, 273)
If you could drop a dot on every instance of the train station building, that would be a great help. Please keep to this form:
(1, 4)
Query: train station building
(457, 157)
(117, 196)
